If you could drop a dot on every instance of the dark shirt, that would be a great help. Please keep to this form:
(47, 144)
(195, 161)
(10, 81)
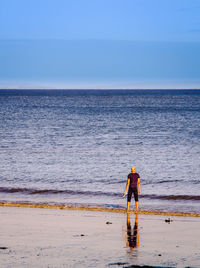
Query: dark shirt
(133, 179)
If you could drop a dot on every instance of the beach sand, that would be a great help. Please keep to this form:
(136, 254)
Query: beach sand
(38, 237)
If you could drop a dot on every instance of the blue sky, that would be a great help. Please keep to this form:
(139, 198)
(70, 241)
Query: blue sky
(100, 44)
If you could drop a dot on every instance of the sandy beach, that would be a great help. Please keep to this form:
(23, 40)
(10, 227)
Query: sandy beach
(34, 237)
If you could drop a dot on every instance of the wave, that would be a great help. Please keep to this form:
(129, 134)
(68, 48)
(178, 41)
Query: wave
(173, 197)
(166, 181)
(30, 191)
(51, 191)
(96, 208)
(111, 181)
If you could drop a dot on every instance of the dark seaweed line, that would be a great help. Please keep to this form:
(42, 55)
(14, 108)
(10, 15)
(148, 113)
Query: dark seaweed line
(29, 191)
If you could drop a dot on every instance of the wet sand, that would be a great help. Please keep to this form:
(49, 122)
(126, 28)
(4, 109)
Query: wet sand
(35, 237)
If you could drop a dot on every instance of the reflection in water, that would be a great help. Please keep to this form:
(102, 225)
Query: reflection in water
(132, 237)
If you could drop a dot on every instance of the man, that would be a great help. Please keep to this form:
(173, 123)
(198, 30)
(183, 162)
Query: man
(133, 182)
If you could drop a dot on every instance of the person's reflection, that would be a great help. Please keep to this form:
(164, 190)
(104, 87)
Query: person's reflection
(132, 239)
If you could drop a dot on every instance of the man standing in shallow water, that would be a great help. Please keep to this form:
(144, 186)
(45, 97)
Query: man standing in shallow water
(133, 182)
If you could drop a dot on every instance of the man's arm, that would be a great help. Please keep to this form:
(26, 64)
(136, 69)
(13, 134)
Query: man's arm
(138, 185)
(127, 185)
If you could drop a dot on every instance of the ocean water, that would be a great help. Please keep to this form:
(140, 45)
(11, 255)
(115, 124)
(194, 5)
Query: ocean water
(77, 147)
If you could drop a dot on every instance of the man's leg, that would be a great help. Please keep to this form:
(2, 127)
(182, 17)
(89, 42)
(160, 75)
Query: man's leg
(128, 206)
(129, 199)
(136, 198)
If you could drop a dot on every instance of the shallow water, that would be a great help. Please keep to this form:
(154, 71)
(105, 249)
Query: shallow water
(77, 147)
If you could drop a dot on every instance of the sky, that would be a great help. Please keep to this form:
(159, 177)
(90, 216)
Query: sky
(100, 44)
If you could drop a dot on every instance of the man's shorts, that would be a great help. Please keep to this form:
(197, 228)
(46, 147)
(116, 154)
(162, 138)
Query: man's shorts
(130, 192)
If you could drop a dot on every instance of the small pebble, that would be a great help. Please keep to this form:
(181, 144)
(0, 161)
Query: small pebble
(168, 220)
(3, 248)
(108, 222)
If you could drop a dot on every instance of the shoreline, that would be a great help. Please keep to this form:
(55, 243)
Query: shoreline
(101, 209)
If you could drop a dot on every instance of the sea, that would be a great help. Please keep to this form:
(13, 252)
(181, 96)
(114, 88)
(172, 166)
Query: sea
(76, 147)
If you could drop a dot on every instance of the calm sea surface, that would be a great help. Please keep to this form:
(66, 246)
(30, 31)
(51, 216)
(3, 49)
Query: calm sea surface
(77, 147)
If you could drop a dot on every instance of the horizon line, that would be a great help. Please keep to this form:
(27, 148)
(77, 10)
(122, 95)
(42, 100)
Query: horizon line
(99, 88)
(99, 39)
